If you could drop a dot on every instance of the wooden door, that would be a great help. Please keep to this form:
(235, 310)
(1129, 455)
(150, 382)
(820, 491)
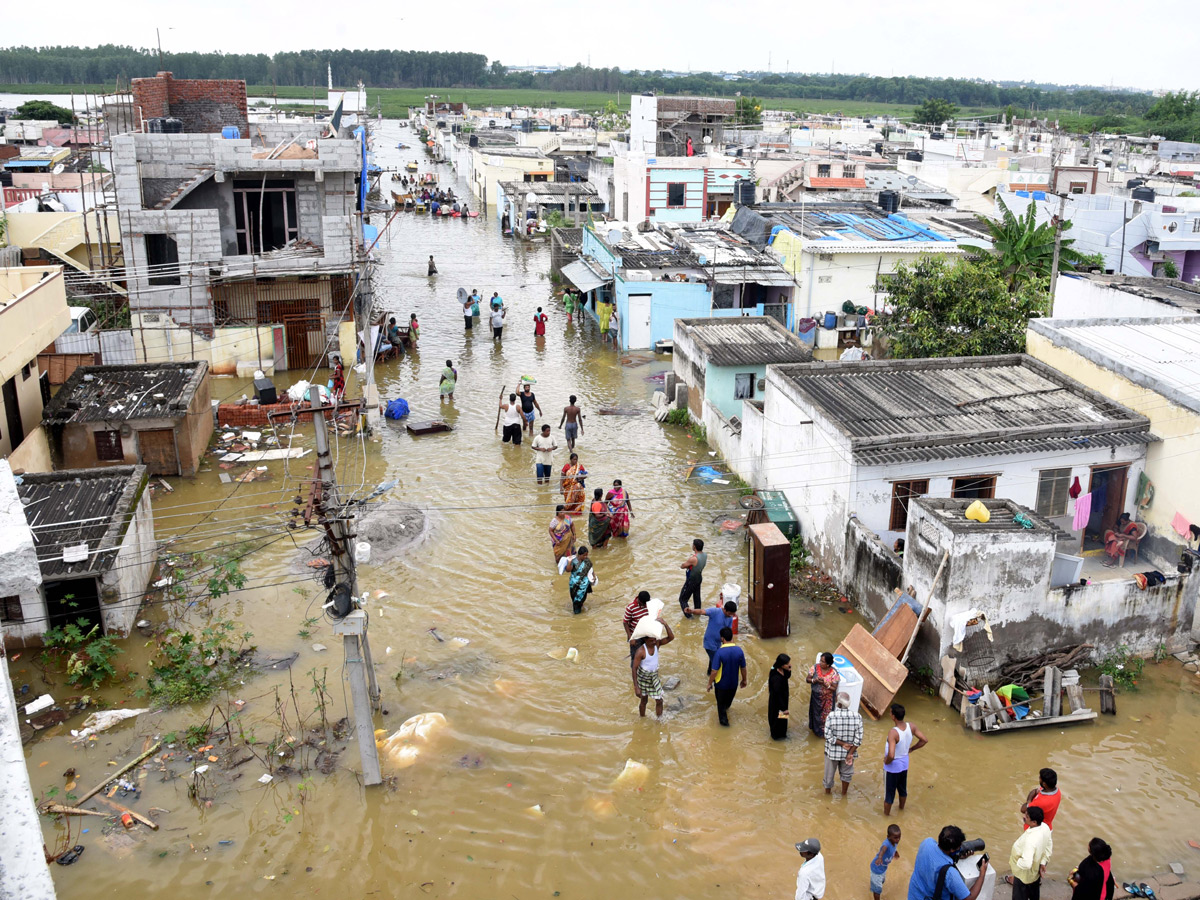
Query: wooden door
(158, 452)
(304, 333)
(770, 561)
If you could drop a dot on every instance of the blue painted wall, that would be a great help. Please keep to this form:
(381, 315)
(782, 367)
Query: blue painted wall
(669, 300)
(719, 386)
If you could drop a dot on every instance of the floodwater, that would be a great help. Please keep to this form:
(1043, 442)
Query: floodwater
(720, 809)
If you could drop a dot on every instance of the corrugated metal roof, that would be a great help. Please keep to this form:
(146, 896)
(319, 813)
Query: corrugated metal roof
(123, 393)
(584, 277)
(79, 506)
(1162, 354)
(752, 340)
(906, 410)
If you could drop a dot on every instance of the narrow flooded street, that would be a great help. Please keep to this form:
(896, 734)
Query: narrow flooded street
(720, 808)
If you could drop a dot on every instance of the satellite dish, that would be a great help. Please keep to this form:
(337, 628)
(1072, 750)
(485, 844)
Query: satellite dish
(614, 236)
(912, 179)
(702, 259)
(59, 169)
(462, 295)
(708, 139)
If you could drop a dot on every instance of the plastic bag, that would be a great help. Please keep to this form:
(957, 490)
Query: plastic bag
(104, 720)
(396, 409)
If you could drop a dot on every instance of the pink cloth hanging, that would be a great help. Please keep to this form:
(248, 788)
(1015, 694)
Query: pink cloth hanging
(1182, 526)
(1083, 511)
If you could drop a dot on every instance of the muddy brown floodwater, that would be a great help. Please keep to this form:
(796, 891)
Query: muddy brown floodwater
(720, 809)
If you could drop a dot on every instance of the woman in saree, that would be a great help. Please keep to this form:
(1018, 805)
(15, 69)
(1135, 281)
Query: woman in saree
(824, 680)
(1116, 539)
(448, 381)
(580, 584)
(339, 379)
(572, 485)
(598, 524)
(620, 510)
(562, 533)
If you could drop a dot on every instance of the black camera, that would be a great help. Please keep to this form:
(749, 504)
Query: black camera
(969, 848)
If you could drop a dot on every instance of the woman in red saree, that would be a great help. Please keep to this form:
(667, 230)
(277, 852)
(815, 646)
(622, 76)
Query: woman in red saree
(824, 679)
(572, 486)
(562, 533)
(620, 510)
(1116, 539)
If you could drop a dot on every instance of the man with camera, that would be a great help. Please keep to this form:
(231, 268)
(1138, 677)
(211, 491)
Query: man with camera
(935, 876)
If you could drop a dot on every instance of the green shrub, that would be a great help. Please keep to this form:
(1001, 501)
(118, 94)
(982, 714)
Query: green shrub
(678, 416)
(191, 667)
(1124, 667)
(800, 555)
(89, 654)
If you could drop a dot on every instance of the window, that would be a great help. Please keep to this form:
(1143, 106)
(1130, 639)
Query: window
(1052, 495)
(743, 386)
(162, 258)
(25, 372)
(10, 610)
(676, 194)
(1079, 187)
(849, 172)
(824, 279)
(1195, 226)
(108, 446)
(902, 492)
(823, 171)
(265, 215)
(974, 487)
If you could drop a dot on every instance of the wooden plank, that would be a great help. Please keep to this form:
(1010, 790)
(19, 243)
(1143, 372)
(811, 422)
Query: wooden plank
(434, 427)
(882, 673)
(1108, 702)
(946, 688)
(1085, 716)
(895, 632)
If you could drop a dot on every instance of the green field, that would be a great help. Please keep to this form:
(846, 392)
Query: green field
(396, 101)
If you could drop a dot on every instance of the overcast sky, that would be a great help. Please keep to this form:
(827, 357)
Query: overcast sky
(1072, 42)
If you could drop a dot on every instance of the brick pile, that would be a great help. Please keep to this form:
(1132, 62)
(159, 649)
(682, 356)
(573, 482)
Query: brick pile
(255, 415)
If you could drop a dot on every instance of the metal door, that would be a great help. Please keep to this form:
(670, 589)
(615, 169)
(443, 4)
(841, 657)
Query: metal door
(157, 451)
(12, 414)
(637, 322)
(305, 338)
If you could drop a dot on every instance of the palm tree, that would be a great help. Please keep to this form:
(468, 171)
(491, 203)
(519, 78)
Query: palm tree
(1024, 251)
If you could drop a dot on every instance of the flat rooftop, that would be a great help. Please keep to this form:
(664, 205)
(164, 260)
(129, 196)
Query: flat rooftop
(746, 340)
(123, 393)
(71, 507)
(896, 411)
(951, 512)
(1171, 291)
(1161, 354)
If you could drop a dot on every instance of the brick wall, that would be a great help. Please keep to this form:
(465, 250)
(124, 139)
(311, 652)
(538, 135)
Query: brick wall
(203, 105)
(233, 415)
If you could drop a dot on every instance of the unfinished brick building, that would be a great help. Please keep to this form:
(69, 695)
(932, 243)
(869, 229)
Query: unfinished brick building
(202, 105)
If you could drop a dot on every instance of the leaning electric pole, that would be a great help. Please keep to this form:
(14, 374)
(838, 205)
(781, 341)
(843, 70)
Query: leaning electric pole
(351, 619)
(1058, 223)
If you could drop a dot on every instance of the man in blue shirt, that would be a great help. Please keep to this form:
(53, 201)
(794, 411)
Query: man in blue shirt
(934, 856)
(729, 663)
(718, 618)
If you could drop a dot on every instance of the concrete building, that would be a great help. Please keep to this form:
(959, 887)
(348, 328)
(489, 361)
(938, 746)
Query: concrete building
(522, 201)
(487, 166)
(1026, 592)
(82, 547)
(240, 252)
(860, 440)
(1151, 366)
(158, 415)
(676, 188)
(677, 126)
(1087, 296)
(201, 105)
(649, 280)
(33, 312)
(723, 363)
(1136, 237)
(839, 252)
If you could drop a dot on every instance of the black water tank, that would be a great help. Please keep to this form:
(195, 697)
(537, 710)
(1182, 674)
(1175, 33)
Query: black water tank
(6, 179)
(172, 126)
(745, 192)
(1143, 193)
(740, 150)
(879, 149)
(264, 391)
(937, 136)
(915, 156)
(473, 141)
(155, 125)
(1135, 182)
(889, 201)
(527, 125)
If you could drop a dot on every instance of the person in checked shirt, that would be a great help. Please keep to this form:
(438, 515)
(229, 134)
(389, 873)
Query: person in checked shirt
(843, 737)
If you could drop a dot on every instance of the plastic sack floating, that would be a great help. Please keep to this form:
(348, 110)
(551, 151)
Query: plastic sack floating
(634, 775)
(404, 746)
(396, 409)
(102, 721)
(978, 512)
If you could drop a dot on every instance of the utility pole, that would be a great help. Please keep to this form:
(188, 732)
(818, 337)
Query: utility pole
(364, 690)
(1058, 220)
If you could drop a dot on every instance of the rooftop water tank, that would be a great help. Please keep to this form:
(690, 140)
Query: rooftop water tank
(889, 201)
(745, 192)
(1135, 182)
(172, 126)
(473, 140)
(231, 132)
(915, 156)
(1143, 193)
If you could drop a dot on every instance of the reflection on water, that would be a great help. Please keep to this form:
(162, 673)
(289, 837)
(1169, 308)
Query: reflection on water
(720, 808)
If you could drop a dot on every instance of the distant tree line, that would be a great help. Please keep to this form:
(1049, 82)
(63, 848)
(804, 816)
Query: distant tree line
(410, 68)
